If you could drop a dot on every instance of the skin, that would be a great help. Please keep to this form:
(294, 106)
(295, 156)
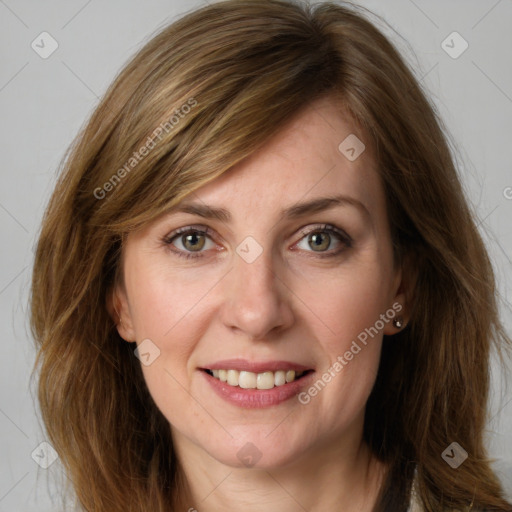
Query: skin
(289, 304)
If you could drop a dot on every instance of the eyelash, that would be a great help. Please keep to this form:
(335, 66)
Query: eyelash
(202, 230)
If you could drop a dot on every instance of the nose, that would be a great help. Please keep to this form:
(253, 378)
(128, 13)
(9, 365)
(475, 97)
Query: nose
(256, 298)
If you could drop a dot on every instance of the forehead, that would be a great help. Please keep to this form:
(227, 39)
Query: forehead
(320, 152)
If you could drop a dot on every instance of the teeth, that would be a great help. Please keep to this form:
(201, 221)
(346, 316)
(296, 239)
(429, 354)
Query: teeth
(246, 380)
(233, 376)
(290, 376)
(250, 380)
(280, 378)
(265, 380)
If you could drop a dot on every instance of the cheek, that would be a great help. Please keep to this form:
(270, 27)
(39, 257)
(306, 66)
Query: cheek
(354, 338)
(346, 303)
(345, 311)
(166, 311)
(161, 300)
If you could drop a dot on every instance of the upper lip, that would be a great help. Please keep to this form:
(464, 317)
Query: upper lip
(255, 366)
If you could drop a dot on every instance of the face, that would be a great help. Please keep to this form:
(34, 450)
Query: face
(282, 264)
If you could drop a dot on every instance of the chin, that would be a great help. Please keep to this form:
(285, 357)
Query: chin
(256, 449)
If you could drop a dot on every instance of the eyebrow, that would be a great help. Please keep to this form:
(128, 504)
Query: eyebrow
(293, 212)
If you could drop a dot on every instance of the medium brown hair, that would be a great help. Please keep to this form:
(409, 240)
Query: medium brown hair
(247, 67)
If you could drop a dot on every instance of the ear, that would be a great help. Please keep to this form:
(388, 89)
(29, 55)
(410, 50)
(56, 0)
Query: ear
(404, 285)
(119, 310)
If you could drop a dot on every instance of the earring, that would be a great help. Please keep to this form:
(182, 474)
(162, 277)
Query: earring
(398, 323)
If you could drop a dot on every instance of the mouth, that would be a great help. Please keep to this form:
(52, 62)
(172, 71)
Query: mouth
(251, 380)
(256, 384)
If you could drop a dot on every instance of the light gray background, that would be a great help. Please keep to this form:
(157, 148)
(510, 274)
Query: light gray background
(44, 102)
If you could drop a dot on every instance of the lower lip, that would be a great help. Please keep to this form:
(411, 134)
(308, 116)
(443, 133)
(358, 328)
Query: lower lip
(257, 398)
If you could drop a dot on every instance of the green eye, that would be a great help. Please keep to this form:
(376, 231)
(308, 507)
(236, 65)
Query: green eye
(194, 241)
(191, 240)
(320, 238)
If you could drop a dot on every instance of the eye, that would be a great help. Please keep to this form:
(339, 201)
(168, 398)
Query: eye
(321, 238)
(189, 240)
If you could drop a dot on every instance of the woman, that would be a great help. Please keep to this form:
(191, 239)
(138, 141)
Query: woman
(258, 282)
